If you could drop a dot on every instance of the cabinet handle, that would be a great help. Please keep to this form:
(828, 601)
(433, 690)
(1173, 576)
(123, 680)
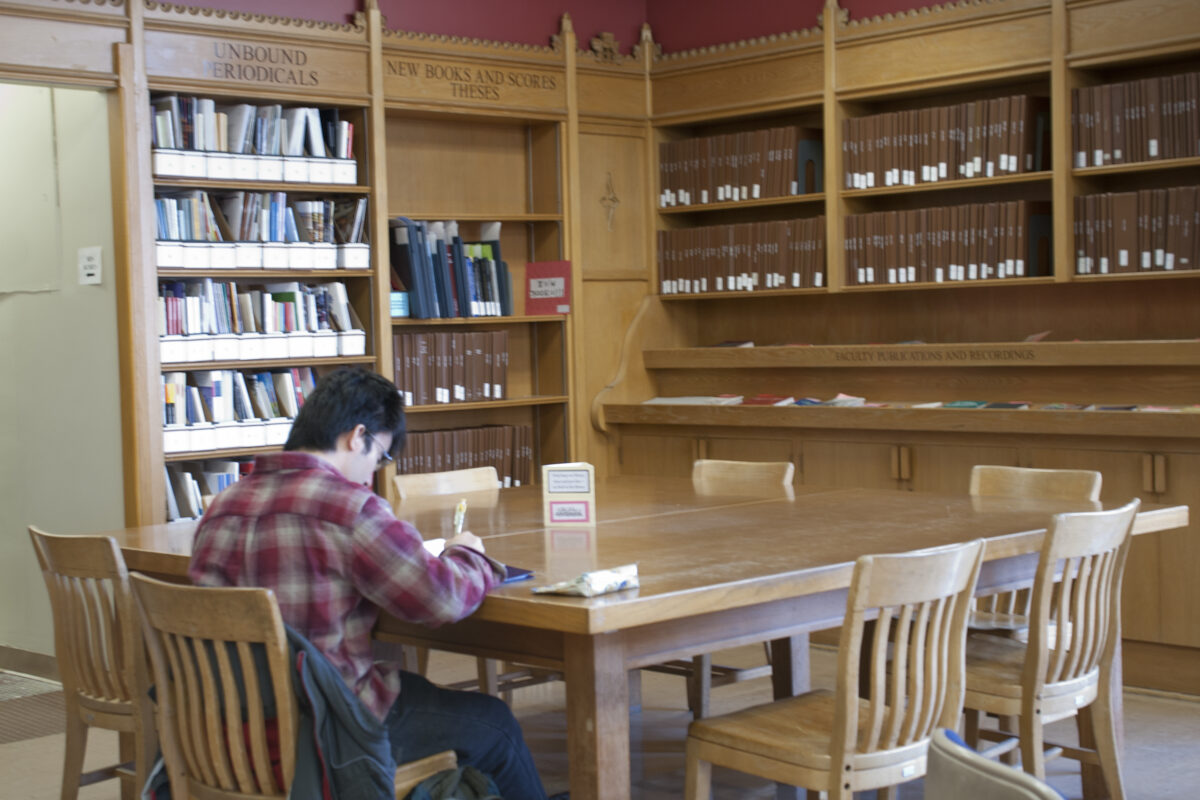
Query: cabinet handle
(895, 462)
(1147, 473)
(1160, 473)
(905, 462)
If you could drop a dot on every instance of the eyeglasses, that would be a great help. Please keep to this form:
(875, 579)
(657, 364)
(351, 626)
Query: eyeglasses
(384, 456)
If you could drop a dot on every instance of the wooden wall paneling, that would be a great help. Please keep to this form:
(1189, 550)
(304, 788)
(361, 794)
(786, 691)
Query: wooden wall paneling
(573, 238)
(376, 149)
(1161, 667)
(766, 448)
(649, 454)
(947, 468)
(613, 214)
(849, 464)
(755, 77)
(1179, 550)
(942, 46)
(1101, 30)
(66, 43)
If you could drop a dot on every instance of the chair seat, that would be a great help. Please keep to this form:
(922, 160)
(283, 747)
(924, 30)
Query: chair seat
(793, 730)
(997, 621)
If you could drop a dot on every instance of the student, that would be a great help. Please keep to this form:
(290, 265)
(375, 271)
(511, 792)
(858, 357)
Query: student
(306, 524)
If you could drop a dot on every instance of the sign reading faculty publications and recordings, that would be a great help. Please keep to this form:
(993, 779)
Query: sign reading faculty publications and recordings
(569, 494)
(262, 65)
(483, 84)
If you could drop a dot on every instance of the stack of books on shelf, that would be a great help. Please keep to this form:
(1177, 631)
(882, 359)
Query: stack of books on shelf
(843, 400)
(508, 448)
(979, 241)
(744, 257)
(192, 485)
(201, 320)
(259, 230)
(733, 167)
(206, 410)
(446, 277)
(451, 367)
(1141, 120)
(193, 137)
(1146, 230)
(976, 139)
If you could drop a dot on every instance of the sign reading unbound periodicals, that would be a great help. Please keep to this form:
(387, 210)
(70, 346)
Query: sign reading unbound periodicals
(569, 494)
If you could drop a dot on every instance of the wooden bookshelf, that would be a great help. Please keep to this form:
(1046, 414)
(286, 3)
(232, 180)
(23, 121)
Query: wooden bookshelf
(510, 402)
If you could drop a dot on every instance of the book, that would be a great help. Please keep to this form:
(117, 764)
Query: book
(547, 287)
(768, 400)
(1007, 405)
(697, 400)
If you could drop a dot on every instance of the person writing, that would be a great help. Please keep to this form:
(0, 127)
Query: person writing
(306, 524)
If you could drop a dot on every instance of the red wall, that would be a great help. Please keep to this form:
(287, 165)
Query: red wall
(676, 24)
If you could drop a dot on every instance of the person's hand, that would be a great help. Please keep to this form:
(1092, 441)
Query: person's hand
(466, 539)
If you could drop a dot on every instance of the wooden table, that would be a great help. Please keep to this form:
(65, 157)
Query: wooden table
(716, 571)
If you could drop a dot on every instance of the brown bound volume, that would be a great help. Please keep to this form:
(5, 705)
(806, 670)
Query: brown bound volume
(1145, 241)
(1107, 234)
(1173, 229)
(1193, 115)
(458, 368)
(398, 360)
(1186, 257)
(1158, 227)
(1154, 126)
(1105, 152)
(1125, 226)
(1119, 125)
(500, 365)
(1091, 247)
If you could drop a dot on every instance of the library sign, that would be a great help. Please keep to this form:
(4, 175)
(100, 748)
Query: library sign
(280, 66)
(909, 355)
(478, 83)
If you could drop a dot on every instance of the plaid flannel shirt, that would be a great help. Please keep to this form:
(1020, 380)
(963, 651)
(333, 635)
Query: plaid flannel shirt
(335, 555)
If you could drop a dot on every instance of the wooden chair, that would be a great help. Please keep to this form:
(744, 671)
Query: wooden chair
(956, 771)
(491, 679)
(452, 482)
(712, 476)
(198, 696)
(836, 741)
(1053, 677)
(98, 644)
(1008, 612)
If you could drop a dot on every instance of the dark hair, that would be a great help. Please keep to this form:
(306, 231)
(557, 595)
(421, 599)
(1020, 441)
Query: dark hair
(343, 399)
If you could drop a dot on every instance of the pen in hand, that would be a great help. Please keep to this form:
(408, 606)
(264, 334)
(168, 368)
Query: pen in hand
(460, 516)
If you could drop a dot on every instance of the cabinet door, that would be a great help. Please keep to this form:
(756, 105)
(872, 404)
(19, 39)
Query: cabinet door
(657, 455)
(947, 468)
(1142, 612)
(850, 465)
(1179, 552)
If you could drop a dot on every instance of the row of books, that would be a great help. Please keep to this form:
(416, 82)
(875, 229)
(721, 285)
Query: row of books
(204, 306)
(749, 256)
(975, 139)
(192, 485)
(196, 215)
(1151, 229)
(842, 400)
(198, 123)
(451, 367)
(508, 448)
(1142, 120)
(979, 241)
(446, 277)
(227, 395)
(748, 165)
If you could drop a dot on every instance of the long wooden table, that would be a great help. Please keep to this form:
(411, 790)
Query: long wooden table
(716, 571)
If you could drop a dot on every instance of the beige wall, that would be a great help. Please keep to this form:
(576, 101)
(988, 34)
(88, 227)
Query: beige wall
(60, 447)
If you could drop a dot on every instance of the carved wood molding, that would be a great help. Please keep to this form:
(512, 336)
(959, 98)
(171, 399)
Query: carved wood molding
(939, 14)
(413, 37)
(181, 12)
(729, 48)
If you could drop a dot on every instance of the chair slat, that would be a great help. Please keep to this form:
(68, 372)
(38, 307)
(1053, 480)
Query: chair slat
(258, 732)
(878, 697)
(235, 738)
(899, 677)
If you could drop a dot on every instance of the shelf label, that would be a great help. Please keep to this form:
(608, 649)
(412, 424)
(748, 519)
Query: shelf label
(947, 355)
(262, 64)
(409, 78)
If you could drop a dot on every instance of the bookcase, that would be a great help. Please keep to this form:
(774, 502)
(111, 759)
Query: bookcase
(1114, 339)
(476, 133)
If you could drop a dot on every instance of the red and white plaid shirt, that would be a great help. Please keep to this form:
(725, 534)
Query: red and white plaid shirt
(334, 554)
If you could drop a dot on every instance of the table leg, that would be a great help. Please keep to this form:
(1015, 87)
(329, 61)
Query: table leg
(789, 677)
(597, 717)
(790, 666)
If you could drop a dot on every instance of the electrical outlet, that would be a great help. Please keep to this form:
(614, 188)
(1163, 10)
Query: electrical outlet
(89, 265)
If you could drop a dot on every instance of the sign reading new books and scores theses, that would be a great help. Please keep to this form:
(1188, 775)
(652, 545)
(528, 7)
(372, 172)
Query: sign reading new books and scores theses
(548, 287)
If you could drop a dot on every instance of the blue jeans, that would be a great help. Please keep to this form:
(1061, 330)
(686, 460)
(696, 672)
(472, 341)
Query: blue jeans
(481, 729)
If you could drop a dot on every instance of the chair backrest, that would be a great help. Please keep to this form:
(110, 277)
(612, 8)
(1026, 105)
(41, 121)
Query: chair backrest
(1078, 588)
(452, 482)
(956, 771)
(213, 706)
(921, 600)
(1047, 484)
(97, 640)
(715, 476)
